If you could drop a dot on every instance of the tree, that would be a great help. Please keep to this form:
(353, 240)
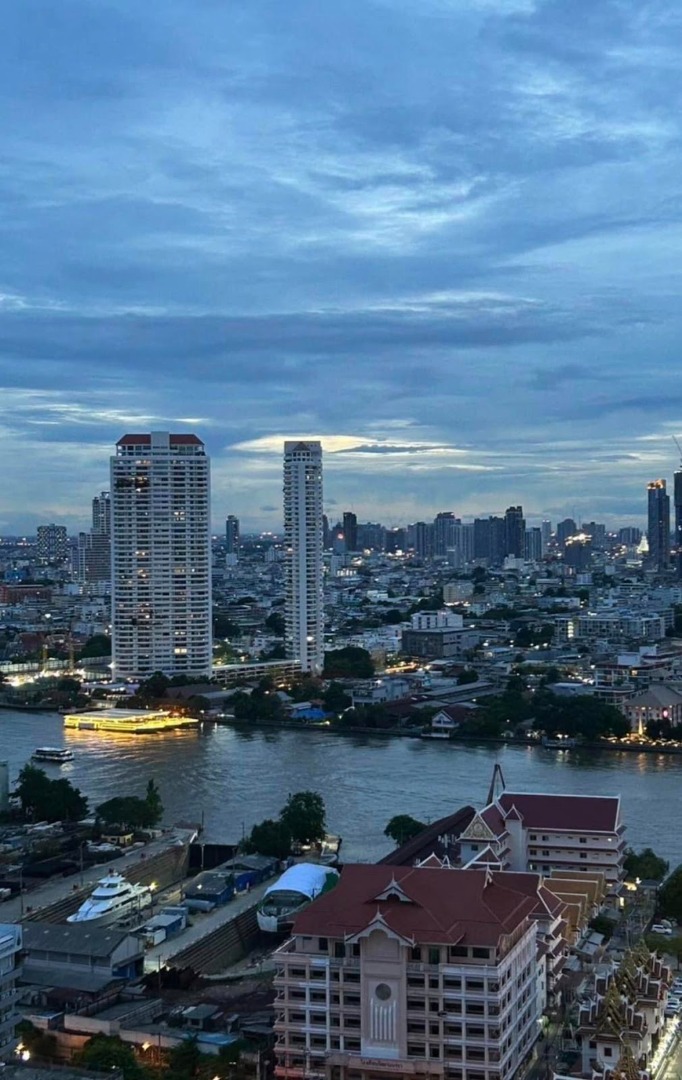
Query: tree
(224, 626)
(269, 838)
(105, 1052)
(42, 799)
(126, 812)
(670, 896)
(645, 864)
(335, 698)
(304, 815)
(154, 687)
(97, 645)
(582, 716)
(402, 828)
(468, 675)
(184, 1060)
(351, 662)
(275, 623)
(153, 801)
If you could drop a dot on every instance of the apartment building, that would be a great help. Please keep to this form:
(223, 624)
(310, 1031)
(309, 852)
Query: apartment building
(409, 971)
(10, 950)
(542, 833)
(161, 556)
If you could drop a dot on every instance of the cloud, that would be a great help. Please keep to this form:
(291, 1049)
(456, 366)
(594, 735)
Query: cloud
(442, 236)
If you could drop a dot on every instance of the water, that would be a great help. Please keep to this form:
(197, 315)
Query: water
(237, 778)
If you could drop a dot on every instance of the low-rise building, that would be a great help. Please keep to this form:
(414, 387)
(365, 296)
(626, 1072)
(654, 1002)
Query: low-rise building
(409, 971)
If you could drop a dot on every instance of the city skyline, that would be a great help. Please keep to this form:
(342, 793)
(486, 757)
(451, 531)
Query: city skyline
(438, 237)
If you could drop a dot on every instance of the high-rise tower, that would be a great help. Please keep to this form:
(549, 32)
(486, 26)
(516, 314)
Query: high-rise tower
(658, 533)
(161, 556)
(232, 541)
(677, 498)
(304, 607)
(515, 532)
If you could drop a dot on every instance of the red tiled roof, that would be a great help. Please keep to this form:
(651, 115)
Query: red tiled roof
(571, 813)
(446, 907)
(145, 440)
(494, 819)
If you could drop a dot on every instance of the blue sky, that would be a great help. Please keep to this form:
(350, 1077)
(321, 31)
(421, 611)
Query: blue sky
(442, 235)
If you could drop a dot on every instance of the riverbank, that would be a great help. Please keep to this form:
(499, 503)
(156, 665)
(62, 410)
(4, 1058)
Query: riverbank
(468, 740)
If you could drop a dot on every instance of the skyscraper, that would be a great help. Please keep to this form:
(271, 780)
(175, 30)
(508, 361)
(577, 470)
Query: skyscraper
(350, 530)
(515, 532)
(443, 532)
(677, 496)
(232, 535)
(94, 548)
(546, 530)
(304, 607)
(161, 556)
(658, 531)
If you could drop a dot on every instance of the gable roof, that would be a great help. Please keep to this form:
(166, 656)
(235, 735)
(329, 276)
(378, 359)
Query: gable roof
(446, 908)
(584, 813)
(422, 845)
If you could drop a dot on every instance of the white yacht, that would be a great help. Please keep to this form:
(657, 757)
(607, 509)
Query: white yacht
(113, 898)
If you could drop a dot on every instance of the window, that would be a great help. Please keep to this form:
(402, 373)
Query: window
(434, 1029)
(458, 950)
(416, 1049)
(434, 956)
(583, 839)
(416, 953)
(474, 984)
(608, 1051)
(434, 982)
(339, 950)
(480, 954)
(545, 851)
(355, 949)
(434, 1051)
(323, 944)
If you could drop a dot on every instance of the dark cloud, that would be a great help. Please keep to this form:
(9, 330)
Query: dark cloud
(413, 223)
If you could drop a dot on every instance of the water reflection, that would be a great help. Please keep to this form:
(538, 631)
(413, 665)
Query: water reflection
(234, 775)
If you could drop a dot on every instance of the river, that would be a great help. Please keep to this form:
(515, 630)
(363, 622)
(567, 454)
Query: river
(237, 778)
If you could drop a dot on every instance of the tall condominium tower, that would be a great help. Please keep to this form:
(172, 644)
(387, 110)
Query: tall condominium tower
(350, 530)
(304, 608)
(161, 556)
(658, 532)
(232, 535)
(677, 496)
(94, 548)
(515, 532)
(52, 543)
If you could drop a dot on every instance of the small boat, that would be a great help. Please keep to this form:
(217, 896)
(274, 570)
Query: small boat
(58, 754)
(559, 742)
(113, 898)
(294, 890)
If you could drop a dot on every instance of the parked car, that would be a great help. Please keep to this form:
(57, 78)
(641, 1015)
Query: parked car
(659, 928)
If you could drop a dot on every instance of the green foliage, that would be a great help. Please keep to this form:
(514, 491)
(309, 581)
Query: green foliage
(582, 716)
(275, 623)
(363, 716)
(603, 925)
(105, 1052)
(269, 838)
(402, 828)
(153, 801)
(670, 896)
(335, 698)
(260, 704)
(351, 662)
(42, 799)
(154, 687)
(184, 1060)
(304, 816)
(42, 1045)
(467, 676)
(97, 645)
(645, 864)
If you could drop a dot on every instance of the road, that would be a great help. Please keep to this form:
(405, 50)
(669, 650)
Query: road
(12, 910)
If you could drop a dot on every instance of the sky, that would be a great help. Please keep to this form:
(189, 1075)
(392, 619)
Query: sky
(443, 236)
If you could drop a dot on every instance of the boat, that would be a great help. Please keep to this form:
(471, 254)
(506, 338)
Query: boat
(329, 849)
(560, 742)
(59, 754)
(113, 898)
(127, 721)
(294, 890)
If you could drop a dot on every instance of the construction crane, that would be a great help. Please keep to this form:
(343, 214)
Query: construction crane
(677, 444)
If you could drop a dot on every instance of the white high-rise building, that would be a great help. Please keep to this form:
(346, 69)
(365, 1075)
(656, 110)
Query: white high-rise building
(161, 556)
(304, 611)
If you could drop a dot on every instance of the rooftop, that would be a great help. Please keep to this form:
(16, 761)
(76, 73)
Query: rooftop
(420, 904)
